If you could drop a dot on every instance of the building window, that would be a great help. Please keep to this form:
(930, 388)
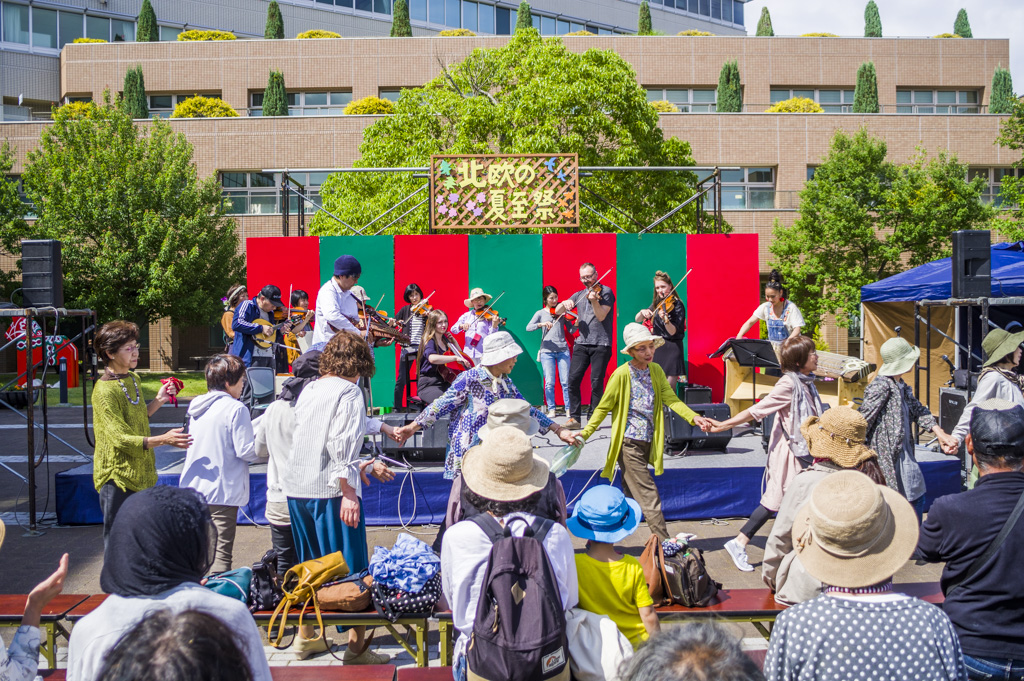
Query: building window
(306, 103)
(162, 106)
(71, 26)
(937, 101)
(15, 19)
(391, 94)
(169, 33)
(832, 101)
(994, 177)
(249, 193)
(48, 29)
(687, 101)
(746, 189)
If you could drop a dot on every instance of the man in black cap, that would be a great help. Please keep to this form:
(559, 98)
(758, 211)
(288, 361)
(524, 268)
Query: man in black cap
(981, 580)
(337, 309)
(246, 329)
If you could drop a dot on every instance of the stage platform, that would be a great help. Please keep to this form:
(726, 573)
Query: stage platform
(697, 485)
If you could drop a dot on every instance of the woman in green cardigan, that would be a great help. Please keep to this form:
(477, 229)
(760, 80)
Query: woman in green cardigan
(124, 462)
(635, 395)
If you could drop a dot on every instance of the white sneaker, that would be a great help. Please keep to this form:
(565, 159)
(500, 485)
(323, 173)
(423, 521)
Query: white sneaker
(738, 555)
(551, 413)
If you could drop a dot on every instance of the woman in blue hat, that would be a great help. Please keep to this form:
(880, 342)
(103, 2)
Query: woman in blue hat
(616, 586)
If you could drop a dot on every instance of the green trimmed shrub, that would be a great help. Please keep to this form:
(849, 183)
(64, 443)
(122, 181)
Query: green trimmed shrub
(204, 107)
(947, 35)
(664, 106)
(644, 25)
(1002, 100)
(134, 100)
(274, 29)
(524, 17)
(584, 32)
(194, 34)
(764, 24)
(456, 33)
(962, 27)
(88, 40)
(275, 100)
(400, 24)
(865, 96)
(872, 21)
(694, 32)
(819, 35)
(795, 105)
(317, 34)
(729, 98)
(147, 31)
(369, 106)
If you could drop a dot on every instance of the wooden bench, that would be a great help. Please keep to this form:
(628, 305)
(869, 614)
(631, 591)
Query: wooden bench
(12, 607)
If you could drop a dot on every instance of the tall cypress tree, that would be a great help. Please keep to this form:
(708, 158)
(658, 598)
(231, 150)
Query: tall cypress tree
(134, 100)
(764, 24)
(730, 90)
(865, 96)
(274, 29)
(644, 25)
(400, 25)
(872, 22)
(1002, 99)
(962, 27)
(148, 31)
(524, 17)
(275, 101)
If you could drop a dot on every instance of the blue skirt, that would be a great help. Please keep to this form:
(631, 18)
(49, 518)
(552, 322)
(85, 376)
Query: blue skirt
(318, 531)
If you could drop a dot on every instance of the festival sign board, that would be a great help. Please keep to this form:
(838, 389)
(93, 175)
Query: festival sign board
(504, 190)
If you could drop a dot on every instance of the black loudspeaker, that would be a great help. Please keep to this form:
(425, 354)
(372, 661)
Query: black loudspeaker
(952, 402)
(972, 263)
(679, 433)
(428, 444)
(693, 393)
(42, 281)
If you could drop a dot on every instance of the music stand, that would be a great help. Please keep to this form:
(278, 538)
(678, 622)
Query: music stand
(754, 353)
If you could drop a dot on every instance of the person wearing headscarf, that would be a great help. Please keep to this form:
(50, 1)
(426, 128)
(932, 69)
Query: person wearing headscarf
(158, 551)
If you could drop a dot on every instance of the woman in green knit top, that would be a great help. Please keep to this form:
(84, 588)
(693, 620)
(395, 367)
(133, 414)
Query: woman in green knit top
(124, 461)
(635, 395)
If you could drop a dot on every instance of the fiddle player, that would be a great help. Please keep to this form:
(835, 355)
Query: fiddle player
(336, 306)
(478, 323)
(593, 304)
(666, 318)
(413, 316)
(261, 306)
(554, 347)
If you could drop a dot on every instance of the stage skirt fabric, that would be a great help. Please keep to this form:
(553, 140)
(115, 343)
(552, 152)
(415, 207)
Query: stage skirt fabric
(670, 358)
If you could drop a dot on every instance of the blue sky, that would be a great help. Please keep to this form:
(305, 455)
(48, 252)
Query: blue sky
(910, 18)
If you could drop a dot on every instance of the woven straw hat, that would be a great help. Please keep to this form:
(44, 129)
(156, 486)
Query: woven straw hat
(476, 293)
(635, 334)
(509, 412)
(998, 344)
(839, 435)
(898, 357)
(503, 467)
(853, 533)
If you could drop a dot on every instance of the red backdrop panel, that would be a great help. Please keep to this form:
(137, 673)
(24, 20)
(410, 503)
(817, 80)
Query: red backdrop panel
(291, 262)
(563, 255)
(438, 263)
(722, 293)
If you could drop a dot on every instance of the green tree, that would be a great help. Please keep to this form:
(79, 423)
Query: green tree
(531, 95)
(962, 27)
(134, 99)
(863, 218)
(1011, 197)
(1002, 99)
(148, 31)
(730, 90)
(764, 24)
(872, 22)
(644, 25)
(12, 212)
(143, 236)
(275, 100)
(400, 25)
(865, 95)
(524, 17)
(274, 29)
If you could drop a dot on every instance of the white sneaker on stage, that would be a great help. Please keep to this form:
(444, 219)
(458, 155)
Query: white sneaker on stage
(738, 555)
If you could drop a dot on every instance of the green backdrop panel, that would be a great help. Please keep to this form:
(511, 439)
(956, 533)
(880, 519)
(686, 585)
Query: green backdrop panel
(638, 257)
(377, 256)
(512, 263)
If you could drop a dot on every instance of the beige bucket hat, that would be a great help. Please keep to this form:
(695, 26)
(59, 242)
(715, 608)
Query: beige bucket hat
(476, 293)
(503, 467)
(635, 334)
(898, 357)
(359, 292)
(498, 347)
(839, 435)
(509, 412)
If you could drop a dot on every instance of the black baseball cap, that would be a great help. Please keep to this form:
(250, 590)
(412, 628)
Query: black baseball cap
(997, 429)
(273, 294)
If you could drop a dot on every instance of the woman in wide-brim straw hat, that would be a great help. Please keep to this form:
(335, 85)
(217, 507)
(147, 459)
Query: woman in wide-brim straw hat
(635, 395)
(836, 441)
(853, 535)
(997, 380)
(891, 408)
(476, 326)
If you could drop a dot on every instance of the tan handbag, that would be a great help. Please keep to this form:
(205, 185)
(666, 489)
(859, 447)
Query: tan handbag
(300, 585)
(349, 595)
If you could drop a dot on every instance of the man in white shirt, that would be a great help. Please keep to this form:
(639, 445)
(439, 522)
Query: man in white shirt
(337, 309)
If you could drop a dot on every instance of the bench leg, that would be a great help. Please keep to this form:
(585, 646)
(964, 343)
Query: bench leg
(49, 646)
(444, 628)
(419, 650)
(764, 628)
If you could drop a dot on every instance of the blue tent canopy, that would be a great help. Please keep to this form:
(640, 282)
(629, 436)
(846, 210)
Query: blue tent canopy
(933, 281)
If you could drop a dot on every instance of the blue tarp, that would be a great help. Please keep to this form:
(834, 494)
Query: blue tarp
(933, 281)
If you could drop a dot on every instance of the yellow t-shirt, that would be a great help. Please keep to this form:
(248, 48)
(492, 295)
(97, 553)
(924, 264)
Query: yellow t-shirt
(616, 589)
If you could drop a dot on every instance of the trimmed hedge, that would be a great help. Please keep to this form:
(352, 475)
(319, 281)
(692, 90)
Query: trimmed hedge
(947, 35)
(76, 110)
(664, 106)
(694, 31)
(316, 34)
(369, 106)
(456, 33)
(88, 40)
(195, 34)
(795, 105)
(580, 33)
(204, 107)
(819, 35)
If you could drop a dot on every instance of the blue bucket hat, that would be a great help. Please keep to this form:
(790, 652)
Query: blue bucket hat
(604, 514)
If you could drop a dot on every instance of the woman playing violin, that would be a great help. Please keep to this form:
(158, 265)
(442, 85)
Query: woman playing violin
(434, 352)
(478, 323)
(666, 318)
(413, 317)
(554, 347)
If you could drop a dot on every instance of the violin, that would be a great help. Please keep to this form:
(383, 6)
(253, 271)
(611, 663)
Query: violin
(423, 308)
(569, 315)
(491, 315)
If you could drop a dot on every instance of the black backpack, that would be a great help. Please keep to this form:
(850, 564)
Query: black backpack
(519, 629)
(265, 589)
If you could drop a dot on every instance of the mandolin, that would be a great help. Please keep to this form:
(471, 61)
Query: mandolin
(297, 321)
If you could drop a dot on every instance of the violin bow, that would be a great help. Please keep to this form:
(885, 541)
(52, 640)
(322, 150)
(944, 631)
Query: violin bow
(489, 305)
(588, 289)
(423, 301)
(658, 306)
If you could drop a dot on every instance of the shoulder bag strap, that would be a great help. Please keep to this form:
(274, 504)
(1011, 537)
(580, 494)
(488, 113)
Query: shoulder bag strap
(491, 527)
(993, 547)
(541, 527)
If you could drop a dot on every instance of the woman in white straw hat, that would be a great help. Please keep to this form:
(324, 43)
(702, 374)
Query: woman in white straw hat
(890, 408)
(635, 395)
(477, 325)
(854, 535)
